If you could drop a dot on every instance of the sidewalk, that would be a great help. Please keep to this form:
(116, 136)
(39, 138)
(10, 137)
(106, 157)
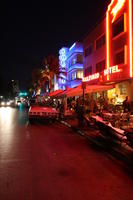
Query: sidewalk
(121, 151)
(89, 132)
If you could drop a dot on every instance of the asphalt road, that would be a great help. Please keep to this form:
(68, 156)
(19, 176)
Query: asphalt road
(50, 161)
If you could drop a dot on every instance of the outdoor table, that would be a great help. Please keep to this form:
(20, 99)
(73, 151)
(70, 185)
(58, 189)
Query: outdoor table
(128, 129)
(97, 118)
(110, 114)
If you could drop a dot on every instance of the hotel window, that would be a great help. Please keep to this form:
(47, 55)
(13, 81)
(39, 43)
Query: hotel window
(80, 74)
(119, 57)
(88, 71)
(100, 42)
(76, 59)
(73, 75)
(118, 26)
(100, 66)
(79, 58)
(88, 50)
(73, 61)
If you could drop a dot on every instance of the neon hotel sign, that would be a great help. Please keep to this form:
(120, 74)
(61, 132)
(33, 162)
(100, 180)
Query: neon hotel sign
(117, 8)
(109, 71)
(114, 8)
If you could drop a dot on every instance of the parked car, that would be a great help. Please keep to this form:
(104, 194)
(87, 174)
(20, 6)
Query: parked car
(42, 111)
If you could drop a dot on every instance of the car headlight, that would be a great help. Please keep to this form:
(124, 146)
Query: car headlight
(8, 103)
(18, 103)
(3, 103)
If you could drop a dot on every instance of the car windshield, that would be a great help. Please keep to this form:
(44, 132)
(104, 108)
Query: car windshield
(44, 103)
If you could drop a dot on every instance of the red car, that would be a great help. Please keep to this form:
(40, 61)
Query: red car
(42, 111)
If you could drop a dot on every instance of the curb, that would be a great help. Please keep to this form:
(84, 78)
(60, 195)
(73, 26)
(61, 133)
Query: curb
(114, 152)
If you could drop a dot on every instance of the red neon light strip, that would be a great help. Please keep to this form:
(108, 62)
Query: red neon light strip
(117, 8)
(107, 35)
(110, 5)
(130, 38)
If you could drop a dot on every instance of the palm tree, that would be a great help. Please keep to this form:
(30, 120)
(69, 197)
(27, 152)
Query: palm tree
(36, 77)
(50, 67)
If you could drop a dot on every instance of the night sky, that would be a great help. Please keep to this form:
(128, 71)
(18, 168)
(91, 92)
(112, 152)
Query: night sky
(30, 31)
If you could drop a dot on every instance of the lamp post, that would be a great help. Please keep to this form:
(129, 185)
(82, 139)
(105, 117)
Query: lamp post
(83, 87)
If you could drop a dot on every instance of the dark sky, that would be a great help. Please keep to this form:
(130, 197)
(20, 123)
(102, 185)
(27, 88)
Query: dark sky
(30, 31)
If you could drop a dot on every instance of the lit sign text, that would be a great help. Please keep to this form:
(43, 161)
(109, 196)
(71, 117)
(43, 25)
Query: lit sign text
(62, 57)
(111, 70)
(91, 77)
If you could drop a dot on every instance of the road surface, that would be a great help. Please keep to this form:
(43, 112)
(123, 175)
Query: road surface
(51, 162)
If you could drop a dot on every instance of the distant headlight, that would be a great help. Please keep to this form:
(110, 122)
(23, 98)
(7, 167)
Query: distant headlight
(3, 103)
(8, 103)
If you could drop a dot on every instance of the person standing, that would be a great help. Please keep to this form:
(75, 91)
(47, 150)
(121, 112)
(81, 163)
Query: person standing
(126, 105)
(80, 113)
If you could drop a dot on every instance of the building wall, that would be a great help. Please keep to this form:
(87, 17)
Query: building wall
(96, 55)
(117, 51)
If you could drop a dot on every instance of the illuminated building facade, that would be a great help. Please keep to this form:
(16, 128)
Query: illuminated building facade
(108, 50)
(71, 66)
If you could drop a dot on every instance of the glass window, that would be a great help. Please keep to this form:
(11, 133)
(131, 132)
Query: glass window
(88, 71)
(100, 42)
(118, 26)
(80, 74)
(73, 76)
(88, 50)
(100, 66)
(79, 58)
(73, 61)
(76, 59)
(119, 57)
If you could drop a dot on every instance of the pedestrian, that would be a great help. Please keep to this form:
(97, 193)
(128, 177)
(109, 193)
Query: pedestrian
(80, 113)
(126, 105)
(61, 110)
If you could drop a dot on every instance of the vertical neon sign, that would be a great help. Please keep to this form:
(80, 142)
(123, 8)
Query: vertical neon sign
(130, 38)
(114, 8)
(118, 6)
(107, 41)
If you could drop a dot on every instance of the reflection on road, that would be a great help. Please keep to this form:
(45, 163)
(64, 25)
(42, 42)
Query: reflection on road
(7, 118)
(10, 121)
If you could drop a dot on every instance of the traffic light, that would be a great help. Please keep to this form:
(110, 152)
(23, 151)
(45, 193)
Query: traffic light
(23, 94)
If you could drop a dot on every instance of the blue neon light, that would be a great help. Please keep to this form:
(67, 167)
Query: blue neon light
(66, 55)
(62, 57)
(72, 46)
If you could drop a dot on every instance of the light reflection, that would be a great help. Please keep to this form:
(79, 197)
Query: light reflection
(5, 116)
(6, 127)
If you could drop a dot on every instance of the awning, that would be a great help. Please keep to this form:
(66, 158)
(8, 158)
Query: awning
(78, 91)
(63, 93)
(55, 93)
